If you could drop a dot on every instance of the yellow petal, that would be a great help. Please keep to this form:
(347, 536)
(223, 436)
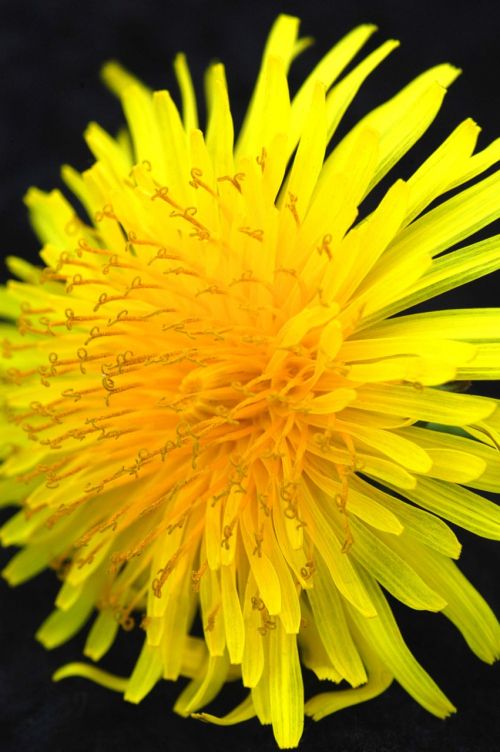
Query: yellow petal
(146, 674)
(189, 108)
(333, 630)
(233, 617)
(378, 680)
(459, 505)
(384, 636)
(286, 690)
(104, 678)
(204, 687)
(243, 712)
(391, 570)
(102, 635)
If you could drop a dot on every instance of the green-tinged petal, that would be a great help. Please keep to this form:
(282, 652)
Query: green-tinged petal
(61, 625)
(147, 672)
(50, 215)
(465, 607)
(176, 624)
(312, 650)
(29, 562)
(252, 664)
(233, 617)
(243, 712)
(97, 675)
(102, 635)
(118, 79)
(204, 687)
(261, 697)
(461, 460)
(193, 657)
(379, 678)
(435, 405)
(286, 690)
(424, 528)
(363, 506)
(340, 566)
(333, 630)
(391, 570)
(459, 505)
(22, 270)
(383, 635)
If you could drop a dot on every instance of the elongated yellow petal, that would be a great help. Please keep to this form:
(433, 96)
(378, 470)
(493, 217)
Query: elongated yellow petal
(465, 607)
(330, 621)
(312, 651)
(423, 527)
(341, 569)
(326, 72)
(474, 324)
(233, 617)
(219, 137)
(104, 678)
(285, 681)
(101, 636)
(449, 271)
(363, 506)
(392, 571)
(459, 505)
(341, 96)
(440, 170)
(451, 221)
(243, 712)
(383, 634)
(61, 625)
(147, 672)
(204, 687)
(378, 680)
(403, 119)
(280, 45)
(190, 110)
(436, 405)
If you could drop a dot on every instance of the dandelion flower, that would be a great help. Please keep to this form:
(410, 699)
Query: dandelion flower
(214, 402)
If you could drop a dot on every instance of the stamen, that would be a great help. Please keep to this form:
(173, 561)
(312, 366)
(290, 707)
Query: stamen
(255, 234)
(261, 159)
(325, 246)
(235, 180)
(293, 208)
(197, 575)
(210, 625)
(196, 174)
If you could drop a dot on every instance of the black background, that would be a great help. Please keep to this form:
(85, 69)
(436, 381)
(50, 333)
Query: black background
(50, 56)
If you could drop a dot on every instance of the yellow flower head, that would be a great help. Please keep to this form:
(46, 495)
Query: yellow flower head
(209, 405)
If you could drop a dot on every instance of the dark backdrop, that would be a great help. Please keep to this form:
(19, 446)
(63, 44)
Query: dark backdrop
(50, 55)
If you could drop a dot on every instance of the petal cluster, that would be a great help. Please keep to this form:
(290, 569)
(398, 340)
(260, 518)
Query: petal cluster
(210, 406)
